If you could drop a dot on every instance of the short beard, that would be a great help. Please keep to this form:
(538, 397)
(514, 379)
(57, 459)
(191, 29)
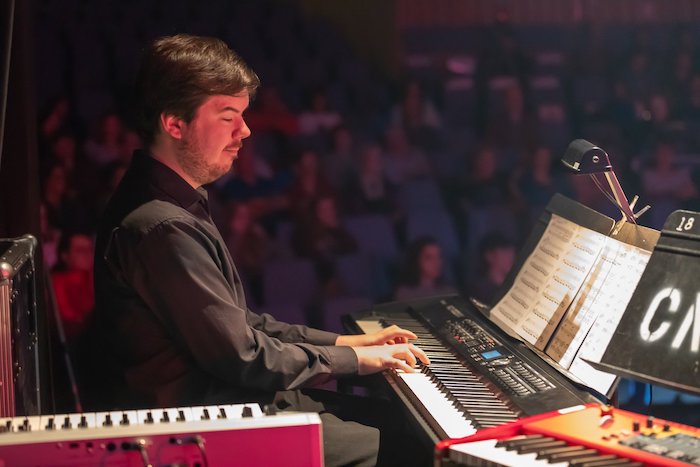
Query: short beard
(193, 163)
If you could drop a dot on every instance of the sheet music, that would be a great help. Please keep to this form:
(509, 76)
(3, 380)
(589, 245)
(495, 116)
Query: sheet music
(626, 263)
(549, 280)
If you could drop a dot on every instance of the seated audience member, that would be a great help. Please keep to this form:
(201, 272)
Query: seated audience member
(248, 244)
(666, 185)
(485, 184)
(403, 161)
(318, 118)
(369, 190)
(105, 147)
(72, 279)
(537, 182)
(423, 272)
(264, 194)
(270, 114)
(308, 186)
(496, 258)
(63, 210)
(322, 238)
(512, 127)
(340, 165)
(664, 179)
(418, 116)
(50, 236)
(58, 118)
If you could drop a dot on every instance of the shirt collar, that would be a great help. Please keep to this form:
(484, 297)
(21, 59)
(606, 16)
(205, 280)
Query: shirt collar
(169, 182)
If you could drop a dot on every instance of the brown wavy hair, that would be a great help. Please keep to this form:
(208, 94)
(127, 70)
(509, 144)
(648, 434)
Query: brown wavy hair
(177, 73)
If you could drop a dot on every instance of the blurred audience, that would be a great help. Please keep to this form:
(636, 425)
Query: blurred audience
(72, 279)
(631, 100)
(404, 162)
(321, 238)
(318, 118)
(496, 259)
(308, 186)
(423, 273)
(249, 244)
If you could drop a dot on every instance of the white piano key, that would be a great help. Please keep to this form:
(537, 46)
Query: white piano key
(369, 326)
(451, 420)
(486, 450)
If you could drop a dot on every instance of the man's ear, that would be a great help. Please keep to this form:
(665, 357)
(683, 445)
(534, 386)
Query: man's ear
(172, 125)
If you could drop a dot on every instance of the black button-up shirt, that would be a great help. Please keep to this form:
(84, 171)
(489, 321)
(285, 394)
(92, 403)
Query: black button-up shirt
(171, 311)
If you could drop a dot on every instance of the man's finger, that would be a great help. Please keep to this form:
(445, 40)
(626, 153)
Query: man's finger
(407, 356)
(419, 353)
(400, 365)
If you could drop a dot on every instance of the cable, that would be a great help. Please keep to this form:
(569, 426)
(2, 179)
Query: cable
(198, 441)
(602, 190)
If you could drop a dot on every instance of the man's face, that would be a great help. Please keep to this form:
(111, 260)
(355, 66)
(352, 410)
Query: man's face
(210, 142)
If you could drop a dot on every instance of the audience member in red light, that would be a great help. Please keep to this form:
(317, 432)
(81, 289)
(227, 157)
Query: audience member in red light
(72, 280)
(318, 118)
(424, 272)
(270, 113)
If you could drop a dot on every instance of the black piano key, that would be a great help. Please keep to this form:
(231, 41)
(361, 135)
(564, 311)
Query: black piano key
(149, 418)
(125, 420)
(180, 416)
(165, 418)
(66, 423)
(108, 420)
(514, 445)
(222, 414)
(586, 460)
(51, 424)
(618, 462)
(536, 447)
(205, 414)
(545, 454)
(569, 456)
(83, 422)
(503, 442)
(25, 426)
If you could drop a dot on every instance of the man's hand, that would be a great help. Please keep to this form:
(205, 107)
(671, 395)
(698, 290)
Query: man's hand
(376, 358)
(391, 335)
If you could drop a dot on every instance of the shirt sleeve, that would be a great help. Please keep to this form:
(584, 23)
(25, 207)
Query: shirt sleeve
(290, 333)
(174, 269)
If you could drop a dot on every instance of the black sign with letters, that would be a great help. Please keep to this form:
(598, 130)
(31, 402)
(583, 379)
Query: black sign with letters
(658, 338)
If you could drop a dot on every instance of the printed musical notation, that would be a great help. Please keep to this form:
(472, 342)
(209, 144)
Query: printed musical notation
(549, 281)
